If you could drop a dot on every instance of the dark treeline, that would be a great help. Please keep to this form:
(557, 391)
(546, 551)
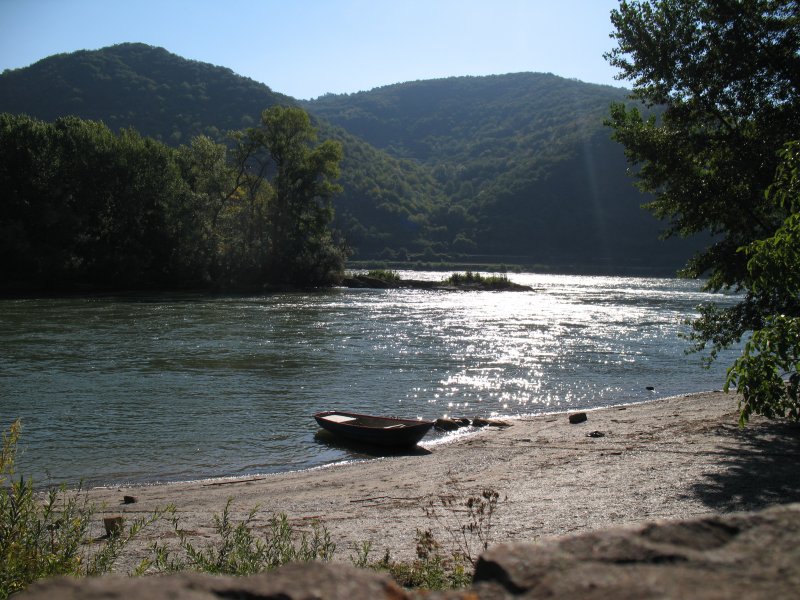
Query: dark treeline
(84, 207)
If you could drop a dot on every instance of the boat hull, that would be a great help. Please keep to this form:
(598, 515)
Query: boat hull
(367, 429)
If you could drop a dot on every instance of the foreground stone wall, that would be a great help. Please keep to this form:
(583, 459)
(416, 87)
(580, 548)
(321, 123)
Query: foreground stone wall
(745, 555)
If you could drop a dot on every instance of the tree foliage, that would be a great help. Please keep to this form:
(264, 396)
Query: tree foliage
(83, 206)
(772, 355)
(301, 246)
(507, 168)
(722, 80)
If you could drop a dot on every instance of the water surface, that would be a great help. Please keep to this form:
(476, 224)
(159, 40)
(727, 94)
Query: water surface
(165, 388)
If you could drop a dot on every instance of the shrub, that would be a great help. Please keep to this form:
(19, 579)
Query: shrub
(468, 522)
(45, 538)
(431, 570)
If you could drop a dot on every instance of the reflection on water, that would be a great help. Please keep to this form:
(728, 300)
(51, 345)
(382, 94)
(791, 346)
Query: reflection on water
(169, 388)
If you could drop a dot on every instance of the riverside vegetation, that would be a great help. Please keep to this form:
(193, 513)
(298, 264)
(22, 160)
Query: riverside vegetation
(88, 209)
(50, 536)
(384, 278)
(723, 156)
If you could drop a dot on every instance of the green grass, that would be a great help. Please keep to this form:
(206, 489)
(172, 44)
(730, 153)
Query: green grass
(239, 551)
(433, 569)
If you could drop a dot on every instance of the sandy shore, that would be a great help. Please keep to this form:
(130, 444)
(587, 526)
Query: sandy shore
(672, 458)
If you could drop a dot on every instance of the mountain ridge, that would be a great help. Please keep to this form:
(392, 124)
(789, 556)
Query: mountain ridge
(492, 168)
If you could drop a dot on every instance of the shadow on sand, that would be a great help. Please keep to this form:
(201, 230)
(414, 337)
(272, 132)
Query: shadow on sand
(760, 468)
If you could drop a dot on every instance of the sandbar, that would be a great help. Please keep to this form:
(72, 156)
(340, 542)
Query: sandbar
(671, 458)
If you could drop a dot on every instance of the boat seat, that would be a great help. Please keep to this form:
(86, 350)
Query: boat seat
(339, 418)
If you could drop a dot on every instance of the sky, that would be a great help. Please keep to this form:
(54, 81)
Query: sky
(307, 48)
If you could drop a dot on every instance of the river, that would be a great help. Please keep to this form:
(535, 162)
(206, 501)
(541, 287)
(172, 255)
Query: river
(145, 388)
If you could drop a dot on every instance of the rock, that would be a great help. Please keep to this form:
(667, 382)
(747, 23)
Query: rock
(754, 555)
(650, 388)
(577, 417)
(595, 434)
(446, 424)
(322, 581)
(481, 422)
(129, 500)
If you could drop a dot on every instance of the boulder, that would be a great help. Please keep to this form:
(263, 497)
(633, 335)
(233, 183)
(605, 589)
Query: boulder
(735, 556)
(322, 581)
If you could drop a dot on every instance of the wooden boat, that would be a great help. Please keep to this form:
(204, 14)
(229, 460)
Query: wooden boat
(382, 431)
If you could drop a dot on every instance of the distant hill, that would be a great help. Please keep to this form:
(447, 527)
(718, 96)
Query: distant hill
(509, 168)
(526, 163)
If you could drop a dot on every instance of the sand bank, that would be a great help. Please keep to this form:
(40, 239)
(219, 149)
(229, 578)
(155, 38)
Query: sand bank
(671, 458)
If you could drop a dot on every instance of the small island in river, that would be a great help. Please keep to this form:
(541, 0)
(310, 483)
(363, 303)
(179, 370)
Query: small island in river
(468, 281)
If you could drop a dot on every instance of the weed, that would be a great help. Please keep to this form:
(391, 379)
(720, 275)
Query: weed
(431, 570)
(44, 538)
(8, 451)
(468, 522)
(361, 557)
(239, 551)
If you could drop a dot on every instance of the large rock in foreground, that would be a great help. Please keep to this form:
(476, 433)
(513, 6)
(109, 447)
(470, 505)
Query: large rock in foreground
(754, 555)
(746, 555)
(325, 581)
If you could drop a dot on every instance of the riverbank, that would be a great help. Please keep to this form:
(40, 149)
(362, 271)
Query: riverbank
(673, 458)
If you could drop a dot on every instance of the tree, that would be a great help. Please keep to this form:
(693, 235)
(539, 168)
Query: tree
(301, 249)
(720, 79)
(773, 266)
(84, 206)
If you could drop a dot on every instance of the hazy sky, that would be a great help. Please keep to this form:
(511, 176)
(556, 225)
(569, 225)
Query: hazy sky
(305, 48)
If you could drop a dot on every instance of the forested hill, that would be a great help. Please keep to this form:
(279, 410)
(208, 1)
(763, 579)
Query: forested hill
(159, 94)
(387, 202)
(525, 161)
(510, 168)
(464, 119)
